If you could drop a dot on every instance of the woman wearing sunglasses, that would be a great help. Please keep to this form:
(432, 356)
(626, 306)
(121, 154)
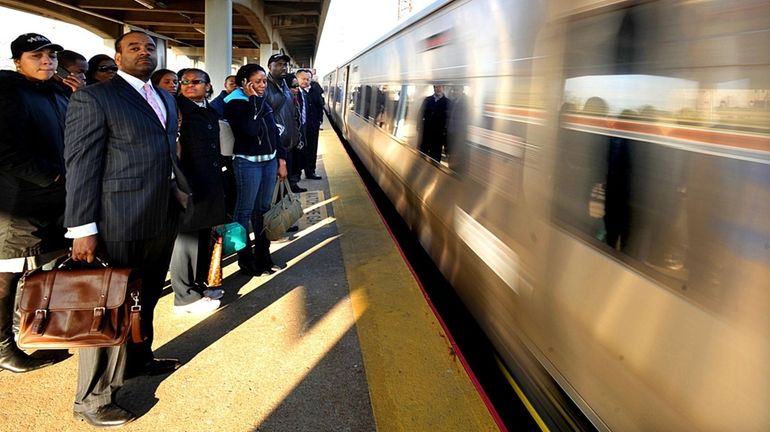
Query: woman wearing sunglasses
(101, 67)
(199, 161)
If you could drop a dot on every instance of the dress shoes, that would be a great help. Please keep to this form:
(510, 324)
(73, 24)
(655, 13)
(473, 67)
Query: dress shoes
(106, 416)
(17, 361)
(297, 189)
(313, 176)
(156, 366)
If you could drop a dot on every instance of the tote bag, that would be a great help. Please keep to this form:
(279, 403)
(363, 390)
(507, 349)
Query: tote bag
(284, 213)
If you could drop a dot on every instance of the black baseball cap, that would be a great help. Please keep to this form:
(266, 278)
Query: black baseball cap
(276, 57)
(30, 42)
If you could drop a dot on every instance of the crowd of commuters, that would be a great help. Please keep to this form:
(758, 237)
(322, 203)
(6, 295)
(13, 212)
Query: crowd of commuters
(121, 161)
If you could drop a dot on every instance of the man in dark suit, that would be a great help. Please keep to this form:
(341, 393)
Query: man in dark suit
(434, 114)
(312, 94)
(120, 152)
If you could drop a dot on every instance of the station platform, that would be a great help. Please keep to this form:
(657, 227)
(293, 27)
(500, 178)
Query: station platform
(342, 339)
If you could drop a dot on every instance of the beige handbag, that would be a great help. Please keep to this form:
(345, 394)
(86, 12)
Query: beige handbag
(284, 213)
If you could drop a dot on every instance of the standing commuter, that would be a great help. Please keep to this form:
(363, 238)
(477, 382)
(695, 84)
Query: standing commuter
(313, 94)
(165, 79)
(297, 155)
(218, 103)
(258, 157)
(286, 114)
(120, 151)
(77, 66)
(199, 161)
(101, 67)
(32, 109)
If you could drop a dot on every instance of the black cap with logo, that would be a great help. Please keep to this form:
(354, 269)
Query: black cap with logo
(276, 57)
(30, 42)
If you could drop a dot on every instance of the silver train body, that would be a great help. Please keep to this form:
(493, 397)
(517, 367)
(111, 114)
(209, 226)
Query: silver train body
(602, 198)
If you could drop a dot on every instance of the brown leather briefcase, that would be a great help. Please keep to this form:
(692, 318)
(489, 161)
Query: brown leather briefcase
(77, 308)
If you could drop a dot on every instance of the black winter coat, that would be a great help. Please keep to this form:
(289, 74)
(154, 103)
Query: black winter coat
(200, 163)
(285, 112)
(31, 157)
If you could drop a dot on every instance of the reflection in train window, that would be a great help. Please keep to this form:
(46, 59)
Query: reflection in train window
(432, 122)
(653, 159)
(405, 96)
(379, 107)
(355, 100)
(367, 101)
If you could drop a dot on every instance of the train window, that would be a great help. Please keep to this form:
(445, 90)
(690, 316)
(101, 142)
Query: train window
(405, 95)
(383, 102)
(354, 99)
(367, 100)
(652, 144)
(359, 100)
(432, 122)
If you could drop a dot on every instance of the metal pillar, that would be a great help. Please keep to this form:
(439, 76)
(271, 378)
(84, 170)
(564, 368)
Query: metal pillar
(218, 42)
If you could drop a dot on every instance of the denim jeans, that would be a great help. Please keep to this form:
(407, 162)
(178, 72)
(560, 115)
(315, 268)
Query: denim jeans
(254, 183)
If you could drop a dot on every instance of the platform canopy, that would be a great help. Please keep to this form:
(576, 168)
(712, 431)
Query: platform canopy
(259, 28)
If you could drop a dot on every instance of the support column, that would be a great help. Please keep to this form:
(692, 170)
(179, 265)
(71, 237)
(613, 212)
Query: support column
(161, 46)
(218, 42)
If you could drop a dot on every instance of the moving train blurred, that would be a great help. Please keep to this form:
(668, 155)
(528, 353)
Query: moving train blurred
(593, 177)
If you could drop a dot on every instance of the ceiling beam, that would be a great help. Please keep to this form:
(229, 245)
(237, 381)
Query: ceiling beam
(199, 52)
(292, 8)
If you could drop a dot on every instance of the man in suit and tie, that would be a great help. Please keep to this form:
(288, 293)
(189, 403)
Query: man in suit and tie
(313, 95)
(120, 152)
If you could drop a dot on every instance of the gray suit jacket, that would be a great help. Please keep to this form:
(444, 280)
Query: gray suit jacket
(118, 159)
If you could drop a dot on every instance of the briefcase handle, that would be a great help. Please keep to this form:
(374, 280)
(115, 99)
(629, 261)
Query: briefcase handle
(68, 261)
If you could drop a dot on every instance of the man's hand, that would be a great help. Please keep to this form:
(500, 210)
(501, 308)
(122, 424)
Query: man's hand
(84, 248)
(74, 82)
(282, 171)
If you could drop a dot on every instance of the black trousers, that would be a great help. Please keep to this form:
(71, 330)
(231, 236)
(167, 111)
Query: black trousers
(311, 148)
(190, 265)
(101, 370)
(297, 162)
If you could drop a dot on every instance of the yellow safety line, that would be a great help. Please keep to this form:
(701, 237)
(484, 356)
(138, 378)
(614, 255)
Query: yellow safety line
(523, 398)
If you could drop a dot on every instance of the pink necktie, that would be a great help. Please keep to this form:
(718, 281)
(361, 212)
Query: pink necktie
(153, 103)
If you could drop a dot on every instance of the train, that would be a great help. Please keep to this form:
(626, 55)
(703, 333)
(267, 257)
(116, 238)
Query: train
(593, 178)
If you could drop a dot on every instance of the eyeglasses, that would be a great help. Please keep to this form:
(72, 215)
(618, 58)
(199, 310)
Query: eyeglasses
(107, 68)
(192, 82)
(294, 86)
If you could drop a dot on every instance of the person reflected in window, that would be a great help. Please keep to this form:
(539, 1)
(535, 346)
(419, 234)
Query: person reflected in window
(433, 114)
(101, 67)
(617, 208)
